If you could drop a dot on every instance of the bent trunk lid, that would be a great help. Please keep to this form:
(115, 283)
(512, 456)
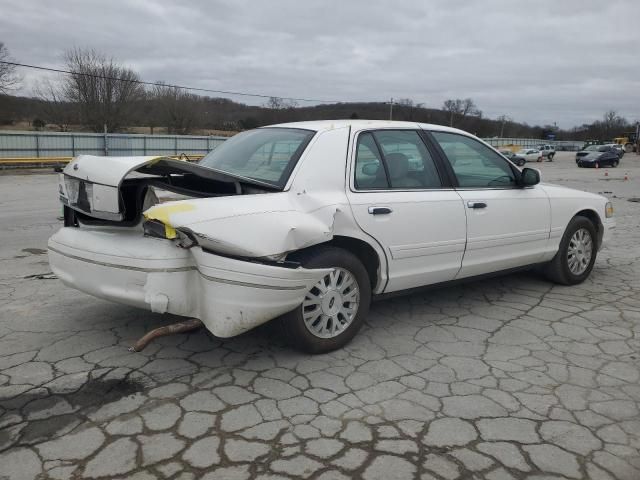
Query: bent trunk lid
(91, 184)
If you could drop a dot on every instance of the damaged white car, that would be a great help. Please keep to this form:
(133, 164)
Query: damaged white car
(306, 222)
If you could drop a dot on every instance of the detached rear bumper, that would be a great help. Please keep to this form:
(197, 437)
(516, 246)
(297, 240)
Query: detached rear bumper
(229, 296)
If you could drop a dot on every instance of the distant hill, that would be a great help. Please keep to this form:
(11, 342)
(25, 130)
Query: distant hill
(207, 115)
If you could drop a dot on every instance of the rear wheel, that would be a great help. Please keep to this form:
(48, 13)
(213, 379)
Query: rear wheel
(577, 253)
(615, 163)
(334, 309)
(521, 163)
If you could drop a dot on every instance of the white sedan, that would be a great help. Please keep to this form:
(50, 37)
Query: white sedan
(529, 155)
(306, 222)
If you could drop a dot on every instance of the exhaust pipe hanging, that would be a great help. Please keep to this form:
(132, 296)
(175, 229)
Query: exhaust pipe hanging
(178, 327)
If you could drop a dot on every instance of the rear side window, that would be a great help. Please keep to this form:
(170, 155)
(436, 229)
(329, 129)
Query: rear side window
(370, 173)
(395, 159)
(474, 164)
(264, 154)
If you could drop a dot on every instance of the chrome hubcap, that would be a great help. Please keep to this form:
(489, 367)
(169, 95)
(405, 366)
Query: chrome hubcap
(331, 305)
(579, 251)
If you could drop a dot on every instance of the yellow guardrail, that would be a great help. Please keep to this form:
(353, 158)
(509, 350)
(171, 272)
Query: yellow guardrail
(52, 161)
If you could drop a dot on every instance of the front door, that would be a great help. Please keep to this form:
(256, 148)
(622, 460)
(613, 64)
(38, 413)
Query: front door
(400, 196)
(507, 226)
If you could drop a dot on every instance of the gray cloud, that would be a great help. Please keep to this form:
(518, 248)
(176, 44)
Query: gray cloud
(541, 62)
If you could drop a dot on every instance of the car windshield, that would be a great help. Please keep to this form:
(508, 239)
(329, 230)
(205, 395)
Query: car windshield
(592, 148)
(267, 155)
(523, 152)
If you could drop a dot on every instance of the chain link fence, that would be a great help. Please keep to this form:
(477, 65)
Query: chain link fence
(49, 144)
(43, 145)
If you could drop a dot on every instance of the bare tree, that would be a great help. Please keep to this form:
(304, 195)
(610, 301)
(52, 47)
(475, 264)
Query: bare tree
(103, 90)
(277, 103)
(9, 79)
(176, 108)
(408, 109)
(613, 124)
(55, 108)
(462, 108)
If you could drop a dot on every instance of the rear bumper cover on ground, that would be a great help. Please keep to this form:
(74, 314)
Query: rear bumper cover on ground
(230, 296)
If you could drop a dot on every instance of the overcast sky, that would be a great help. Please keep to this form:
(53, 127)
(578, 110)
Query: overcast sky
(564, 61)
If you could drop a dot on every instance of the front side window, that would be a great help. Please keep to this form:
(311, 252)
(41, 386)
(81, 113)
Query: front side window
(474, 164)
(396, 159)
(265, 154)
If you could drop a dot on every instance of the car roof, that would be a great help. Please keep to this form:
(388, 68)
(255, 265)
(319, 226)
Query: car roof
(319, 125)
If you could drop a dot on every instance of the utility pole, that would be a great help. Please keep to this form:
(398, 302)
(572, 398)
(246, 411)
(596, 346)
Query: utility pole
(106, 141)
(391, 109)
(503, 119)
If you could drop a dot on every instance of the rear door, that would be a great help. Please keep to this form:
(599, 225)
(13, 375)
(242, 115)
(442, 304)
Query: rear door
(507, 226)
(400, 195)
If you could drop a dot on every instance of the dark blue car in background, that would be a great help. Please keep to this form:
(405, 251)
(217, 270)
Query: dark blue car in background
(598, 156)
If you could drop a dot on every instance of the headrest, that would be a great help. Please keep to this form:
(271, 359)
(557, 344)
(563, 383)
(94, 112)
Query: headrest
(398, 165)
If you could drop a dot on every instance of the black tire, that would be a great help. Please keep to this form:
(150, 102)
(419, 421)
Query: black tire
(521, 163)
(557, 270)
(615, 163)
(551, 157)
(579, 164)
(292, 323)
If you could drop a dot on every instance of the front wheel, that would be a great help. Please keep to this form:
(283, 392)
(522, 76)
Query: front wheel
(615, 163)
(334, 309)
(577, 253)
(521, 163)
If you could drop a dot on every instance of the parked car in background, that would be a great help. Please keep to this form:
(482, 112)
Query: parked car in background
(529, 155)
(619, 149)
(305, 222)
(519, 161)
(586, 149)
(598, 156)
(547, 151)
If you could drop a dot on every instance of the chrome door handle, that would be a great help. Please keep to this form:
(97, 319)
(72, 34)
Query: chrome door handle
(476, 205)
(380, 210)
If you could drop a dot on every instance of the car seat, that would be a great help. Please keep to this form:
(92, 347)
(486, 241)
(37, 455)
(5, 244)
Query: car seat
(398, 166)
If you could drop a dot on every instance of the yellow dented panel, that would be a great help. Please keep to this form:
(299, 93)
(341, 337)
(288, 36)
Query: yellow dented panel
(163, 212)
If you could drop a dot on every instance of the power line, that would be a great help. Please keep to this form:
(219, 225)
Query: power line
(158, 84)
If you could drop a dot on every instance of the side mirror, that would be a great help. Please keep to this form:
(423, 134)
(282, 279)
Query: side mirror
(529, 177)
(370, 169)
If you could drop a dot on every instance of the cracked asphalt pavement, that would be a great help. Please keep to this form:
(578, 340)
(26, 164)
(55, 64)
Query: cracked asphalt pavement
(505, 378)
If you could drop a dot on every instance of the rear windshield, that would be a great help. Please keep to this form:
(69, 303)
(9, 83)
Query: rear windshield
(267, 155)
